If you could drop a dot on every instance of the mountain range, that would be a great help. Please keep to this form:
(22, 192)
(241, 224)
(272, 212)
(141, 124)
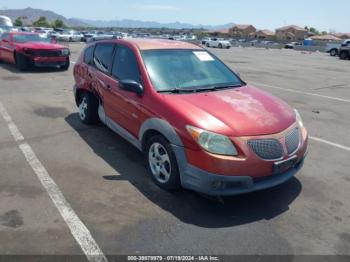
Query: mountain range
(30, 15)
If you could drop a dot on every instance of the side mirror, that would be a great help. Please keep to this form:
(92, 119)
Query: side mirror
(132, 86)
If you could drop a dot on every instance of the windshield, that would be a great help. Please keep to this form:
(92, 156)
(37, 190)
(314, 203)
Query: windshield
(187, 70)
(23, 38)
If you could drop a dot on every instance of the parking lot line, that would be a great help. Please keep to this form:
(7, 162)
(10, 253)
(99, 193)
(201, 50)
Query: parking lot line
(79, 231)
(304, 93)
(329, 143)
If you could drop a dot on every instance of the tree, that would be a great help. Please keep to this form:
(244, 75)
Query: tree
(58, 24)
(41, 22)
(18, 22)
(314, 30)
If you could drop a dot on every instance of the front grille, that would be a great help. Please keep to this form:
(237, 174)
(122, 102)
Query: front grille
(292, 141)
(51, 53)
(268, 149)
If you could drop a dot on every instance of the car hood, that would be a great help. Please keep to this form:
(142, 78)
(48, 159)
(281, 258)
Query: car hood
(244, 111)
(40, 45)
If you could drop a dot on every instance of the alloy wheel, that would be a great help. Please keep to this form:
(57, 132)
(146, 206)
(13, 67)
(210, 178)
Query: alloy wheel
(159, 162)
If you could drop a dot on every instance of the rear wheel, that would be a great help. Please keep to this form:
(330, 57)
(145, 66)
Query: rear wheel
(88, 109)
(22, 62)
(162, 163)
(333, 52)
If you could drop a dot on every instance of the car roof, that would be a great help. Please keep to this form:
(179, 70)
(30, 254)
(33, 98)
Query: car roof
(149, 44)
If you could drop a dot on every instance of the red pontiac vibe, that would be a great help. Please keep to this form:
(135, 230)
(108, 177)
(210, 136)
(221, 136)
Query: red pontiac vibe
(30, 49)
(200, 126)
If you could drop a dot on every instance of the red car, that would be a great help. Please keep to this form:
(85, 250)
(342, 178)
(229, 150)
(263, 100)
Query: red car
(199, 124)
(31, 49)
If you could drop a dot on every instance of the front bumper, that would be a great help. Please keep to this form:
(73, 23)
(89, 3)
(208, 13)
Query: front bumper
(217, 185)
(221, 175)
(50, 61)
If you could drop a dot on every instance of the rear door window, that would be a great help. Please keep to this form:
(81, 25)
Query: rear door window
(103, 57)
(125, 65)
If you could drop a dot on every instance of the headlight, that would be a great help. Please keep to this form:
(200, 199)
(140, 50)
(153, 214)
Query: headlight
(65, 51)
(211, 142)
(298, 118)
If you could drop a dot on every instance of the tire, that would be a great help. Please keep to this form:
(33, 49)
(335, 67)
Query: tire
(228, 47)
(220, 45)
(65, 67)
(343, 55)
(70, 39)
(162, 163)
(333, 52)
(88, 109)
(207, 45)
(22, 62)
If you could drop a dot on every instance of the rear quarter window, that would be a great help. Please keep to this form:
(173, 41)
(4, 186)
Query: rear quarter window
(89, 55)
(103, 56)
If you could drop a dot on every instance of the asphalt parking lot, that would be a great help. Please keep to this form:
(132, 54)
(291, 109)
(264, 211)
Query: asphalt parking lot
(105, 182)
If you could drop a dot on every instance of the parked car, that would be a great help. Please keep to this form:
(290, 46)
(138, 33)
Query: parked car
(87, 36)
(205, 40)
(344, 50)
(219, 43)
(70, 36)
(25, 49)
(101, 36)
(5, 24)
(333, 48)
(199, 124)
(292, 45)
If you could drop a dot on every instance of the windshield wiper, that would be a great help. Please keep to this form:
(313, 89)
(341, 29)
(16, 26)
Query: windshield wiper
(177, 91)
(215, 88)
(198, 90)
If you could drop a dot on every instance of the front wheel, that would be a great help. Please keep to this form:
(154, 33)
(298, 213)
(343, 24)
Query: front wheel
(220, 45)
(343, 55)
(22, 62)
(333, 52)
(65, 66)
(162, 163)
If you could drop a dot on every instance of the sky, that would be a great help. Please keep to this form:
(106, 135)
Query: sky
(324, 15)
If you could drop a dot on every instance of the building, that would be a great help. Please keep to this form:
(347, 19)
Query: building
(325, 38)
(342, 35)
(221, 32)
(291, 33)
(264, 34)
(245, 31)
